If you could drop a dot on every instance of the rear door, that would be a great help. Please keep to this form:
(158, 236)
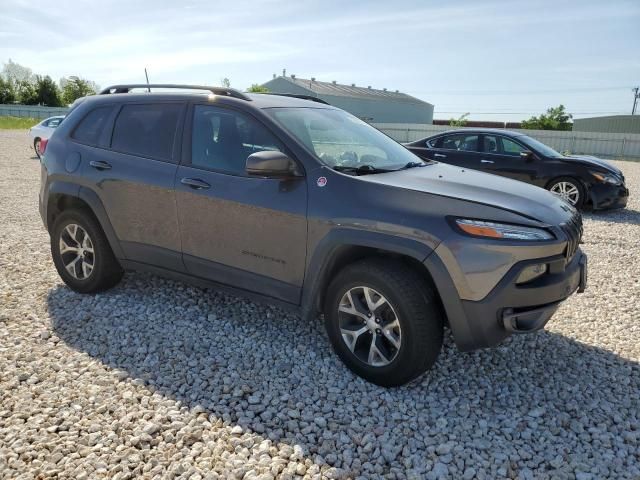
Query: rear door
(501, 156)
(247, 232)
(461, 149)
(133, 173)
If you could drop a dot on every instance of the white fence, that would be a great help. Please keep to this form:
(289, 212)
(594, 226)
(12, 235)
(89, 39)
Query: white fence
(610, 145)
(31, 111)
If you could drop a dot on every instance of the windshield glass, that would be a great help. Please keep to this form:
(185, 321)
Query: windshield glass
(539, 146)
(341, 140)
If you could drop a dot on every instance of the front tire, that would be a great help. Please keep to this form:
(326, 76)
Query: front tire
(569, 189)
(383, 321)
(81, 253)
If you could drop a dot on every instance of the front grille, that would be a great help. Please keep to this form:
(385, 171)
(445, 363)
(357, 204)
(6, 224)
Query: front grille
(573, 230)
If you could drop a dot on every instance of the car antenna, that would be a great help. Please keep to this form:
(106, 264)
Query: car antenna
(147, 75)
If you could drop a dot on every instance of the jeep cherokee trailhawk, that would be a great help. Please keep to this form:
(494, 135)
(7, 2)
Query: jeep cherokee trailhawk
(298, 203)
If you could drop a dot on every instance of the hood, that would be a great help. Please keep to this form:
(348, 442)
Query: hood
(479, 187)
(589, 161)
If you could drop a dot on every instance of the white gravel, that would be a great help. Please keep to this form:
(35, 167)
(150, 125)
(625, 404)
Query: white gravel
(157, 379)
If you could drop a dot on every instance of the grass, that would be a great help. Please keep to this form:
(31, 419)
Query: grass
(17, 123)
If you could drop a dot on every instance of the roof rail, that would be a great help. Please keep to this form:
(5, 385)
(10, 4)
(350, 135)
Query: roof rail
(295, 95)
(228, 92)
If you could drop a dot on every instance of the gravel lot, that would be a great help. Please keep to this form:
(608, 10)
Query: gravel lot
(159, 379)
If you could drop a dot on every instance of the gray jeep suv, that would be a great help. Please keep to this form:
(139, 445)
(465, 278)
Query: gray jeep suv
(292, 201)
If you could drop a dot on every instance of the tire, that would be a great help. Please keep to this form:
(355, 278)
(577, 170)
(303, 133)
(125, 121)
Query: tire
(36, 147)
(105, 271)
(570, 185)
(409, 299)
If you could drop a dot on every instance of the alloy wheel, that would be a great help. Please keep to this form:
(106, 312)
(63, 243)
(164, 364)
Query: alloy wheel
(76, 250)
(369, 326)
(567, 191)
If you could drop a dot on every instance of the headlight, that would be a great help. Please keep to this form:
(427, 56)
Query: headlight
(607, 178)
(480, 228)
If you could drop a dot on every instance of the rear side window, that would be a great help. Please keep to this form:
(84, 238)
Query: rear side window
(459, 141)
(146, 130)
(91, 126)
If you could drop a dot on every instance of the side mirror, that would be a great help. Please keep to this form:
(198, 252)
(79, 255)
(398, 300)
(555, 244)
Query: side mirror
(527, 155)
(270, 163)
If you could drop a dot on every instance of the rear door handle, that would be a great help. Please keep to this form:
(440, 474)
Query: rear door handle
(486, 161)
(439, 155)
(100, 165)
(195, 183)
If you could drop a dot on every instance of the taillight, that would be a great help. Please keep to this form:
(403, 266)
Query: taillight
(43, 145)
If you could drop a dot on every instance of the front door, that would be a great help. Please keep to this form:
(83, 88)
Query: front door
(247, 232)
(501, 156)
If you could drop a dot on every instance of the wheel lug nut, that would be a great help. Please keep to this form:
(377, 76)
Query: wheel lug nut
(377, 320)
(368, 314)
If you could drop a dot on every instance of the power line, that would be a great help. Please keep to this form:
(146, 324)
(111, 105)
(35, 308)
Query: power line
(527, 113)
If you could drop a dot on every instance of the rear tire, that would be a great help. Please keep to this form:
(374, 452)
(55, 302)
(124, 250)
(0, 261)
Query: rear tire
(36, 147)
(402, 337)
(570, 189)
(82, 254)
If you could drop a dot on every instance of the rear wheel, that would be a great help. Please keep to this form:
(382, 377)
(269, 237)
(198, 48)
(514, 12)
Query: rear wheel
(569, 189)
(383, 321)
(81, 253)
(36, 147)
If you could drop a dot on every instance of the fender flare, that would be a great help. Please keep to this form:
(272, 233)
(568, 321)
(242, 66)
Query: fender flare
(329, 248)
(92, 199)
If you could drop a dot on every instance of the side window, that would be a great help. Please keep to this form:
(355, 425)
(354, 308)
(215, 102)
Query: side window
(490, 144)
(90, 127)
(146, 130)
(509, 147)
(223, 139)
(53, 123)
(461, 141)
(434, 142)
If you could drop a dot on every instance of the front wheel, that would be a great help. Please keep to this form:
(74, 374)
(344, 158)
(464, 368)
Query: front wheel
(383, 321)
(569, 189)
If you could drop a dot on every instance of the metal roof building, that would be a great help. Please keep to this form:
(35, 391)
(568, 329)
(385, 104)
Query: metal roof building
(610, 124)
(369, 104)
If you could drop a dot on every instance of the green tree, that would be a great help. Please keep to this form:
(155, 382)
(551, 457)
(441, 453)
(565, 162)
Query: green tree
(7, 91)
(555, 119)
(255, 88)
(226, 82)
(48, 92)
(27, 93)
(461, 121)
(76, 87)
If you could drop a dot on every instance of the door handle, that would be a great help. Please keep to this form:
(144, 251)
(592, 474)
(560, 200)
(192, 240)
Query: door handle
(439, 155)
(195, 183)
(100, 165)
(486, 161)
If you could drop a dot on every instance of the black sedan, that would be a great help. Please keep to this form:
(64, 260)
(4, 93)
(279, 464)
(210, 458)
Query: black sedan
(581, 180)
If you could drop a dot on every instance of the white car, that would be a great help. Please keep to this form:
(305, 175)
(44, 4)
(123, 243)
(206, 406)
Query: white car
(43, 130)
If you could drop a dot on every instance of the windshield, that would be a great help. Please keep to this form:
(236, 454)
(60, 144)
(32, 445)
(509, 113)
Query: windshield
(539, 146)
(342, 141)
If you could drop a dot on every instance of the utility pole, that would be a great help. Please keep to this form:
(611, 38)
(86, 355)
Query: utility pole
(636, 96)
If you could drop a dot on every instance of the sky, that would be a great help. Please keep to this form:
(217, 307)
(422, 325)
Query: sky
(497, 60)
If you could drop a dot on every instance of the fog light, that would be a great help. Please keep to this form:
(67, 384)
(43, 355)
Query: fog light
(531, 273)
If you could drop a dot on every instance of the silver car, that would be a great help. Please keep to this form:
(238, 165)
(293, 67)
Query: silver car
(42, 131)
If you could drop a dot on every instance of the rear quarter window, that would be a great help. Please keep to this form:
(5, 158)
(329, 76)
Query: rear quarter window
(90, 128)
(146, 130)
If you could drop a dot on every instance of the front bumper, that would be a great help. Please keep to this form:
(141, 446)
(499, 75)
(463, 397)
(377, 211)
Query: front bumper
(607, 196)
(511, 308)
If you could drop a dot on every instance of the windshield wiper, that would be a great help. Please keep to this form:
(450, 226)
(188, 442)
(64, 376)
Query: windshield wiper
(361, 169)
(414, 164)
